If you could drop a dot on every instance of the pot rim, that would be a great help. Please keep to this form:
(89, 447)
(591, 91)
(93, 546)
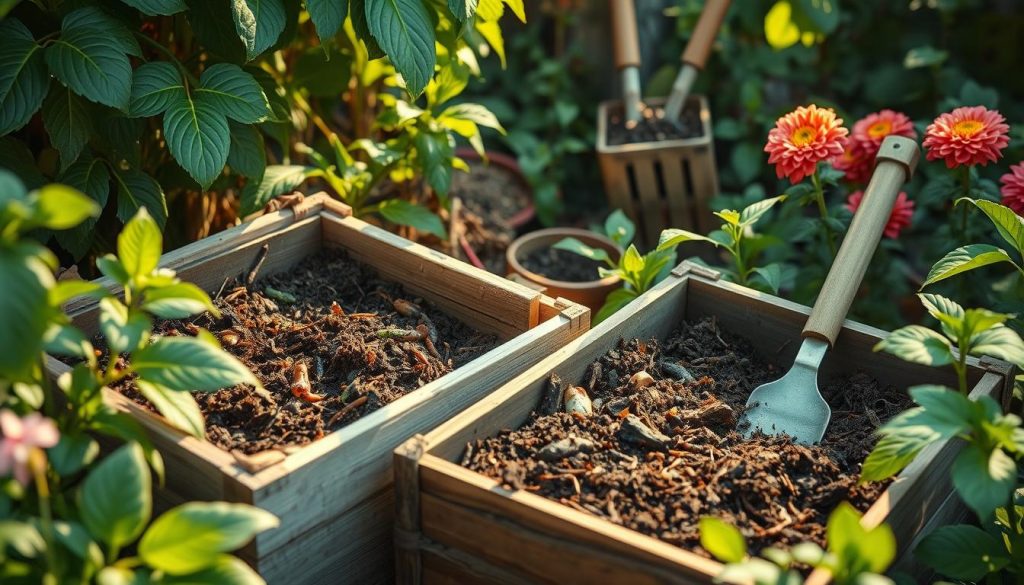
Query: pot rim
(554, 235)
(510, 164)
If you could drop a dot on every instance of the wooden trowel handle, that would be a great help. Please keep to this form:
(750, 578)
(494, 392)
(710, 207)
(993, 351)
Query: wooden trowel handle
(894, 165)
(627, 45)
(697, 50)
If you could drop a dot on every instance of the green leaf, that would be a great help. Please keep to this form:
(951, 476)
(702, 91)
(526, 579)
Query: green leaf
(463, 10)
(90, 176)
(258, 23)
(357, 13)
(999, 342)
(434, 154)
(68, 123)
(59, 207)
(66, 290)
(944, 410)
(403, 212)
(95, 18)
(155, 86)
(248, 155)
(772, 275)
(894, 452)
(157, 7)
(324, 71)
(405, 32)
(178, 301)
(577, 247)
(473, 113)
(135, 190)
(818, 16)
(963, 259)
(198, 137)
(984, 479)
(671, 238)
(192, 537)
(123, 329)
(859, 550)
(615, 301)
(752, 213)
(962, 552)
(619, 228)
(213, 24)
(116, 501)
(632, 261)
(74, 537)
(233, 93)
(140, 244)
(186, 363)
(918, 345)
(179, 408)
(722, 540)
(21, 537)
(949, 313)
(327, 16)
(110, 267)
(23, 303)
(277, 180)
(72, 453)
(24, 80)
(226, 570)
(92, 63)
(926, 56)
(66, 340)
(1007, 222)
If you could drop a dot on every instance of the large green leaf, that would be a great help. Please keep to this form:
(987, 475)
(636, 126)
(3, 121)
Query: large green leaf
(179, 408)
(258, 23)
(1007, 222)
(919, 345)
(115, 499)
(984, 479)
(965, 258)
(186, 363)
(434, 154)
(157, 7)
(233, 93)
(140, 244)
(277, 180)
(357, 12)
(24, 307)
(92, 63)
(90, 176)
(136, 189)
(155, 86)
(193, 536)
(177, 301)
(672, 237)
(248, 155)
(95, 18)
(403, 212)
(327, 16)
(999, 342)
(23, 76)
(463, 9)
(59, 207)
(962, 552)
(404, 30)
(198, 137)
(753, 212)
(68, 123)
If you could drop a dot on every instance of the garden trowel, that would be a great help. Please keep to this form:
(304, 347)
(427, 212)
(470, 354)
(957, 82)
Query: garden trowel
(627, 57)
(792, 404)
(695, 55)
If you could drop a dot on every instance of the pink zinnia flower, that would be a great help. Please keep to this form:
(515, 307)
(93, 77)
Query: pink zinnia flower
(871, 130)
(967, 136)
(902, 211)
(803, 138)
(21, 435)
(1013, 188)
(855, 162)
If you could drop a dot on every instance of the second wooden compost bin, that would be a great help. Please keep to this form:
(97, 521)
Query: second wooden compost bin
(454, 525)
(334, 496)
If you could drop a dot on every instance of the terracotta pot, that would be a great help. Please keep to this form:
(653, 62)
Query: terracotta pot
(498, 159)
(591, 293)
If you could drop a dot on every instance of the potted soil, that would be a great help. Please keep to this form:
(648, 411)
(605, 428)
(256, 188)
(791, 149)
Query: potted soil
(562, 273)
(361, 339)
(661, 175)
(615, 496)
(496, 202)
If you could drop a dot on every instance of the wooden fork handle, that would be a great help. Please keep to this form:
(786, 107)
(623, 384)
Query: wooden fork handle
(699, 47)
(894, 165)
(627, 44)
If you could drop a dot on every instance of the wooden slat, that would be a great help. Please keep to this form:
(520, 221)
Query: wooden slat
(443, 277)
(447, 566)
(680, 200)
(704, 178)
(651, 202)
(407, 508)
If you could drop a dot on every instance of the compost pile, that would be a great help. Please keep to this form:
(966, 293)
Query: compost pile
(561, 265)
(661, 449)
(652, 127)
(491, 196)
(360, 341)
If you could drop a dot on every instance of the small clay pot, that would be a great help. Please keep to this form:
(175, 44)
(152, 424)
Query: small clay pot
(591, 293)
(509, 163)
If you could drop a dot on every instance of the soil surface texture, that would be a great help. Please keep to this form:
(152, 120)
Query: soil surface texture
(653, 127)
(354, 334)
(561, 265)
(657, 457)
(491, 195)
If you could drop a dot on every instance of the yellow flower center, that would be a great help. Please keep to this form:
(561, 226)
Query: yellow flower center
(967, 128)
(803, 136)
(880, 129)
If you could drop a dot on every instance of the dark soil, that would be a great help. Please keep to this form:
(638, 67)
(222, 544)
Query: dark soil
(561, 265)
(617, 464)
(654, 128)
(491, 195)
(350, 363)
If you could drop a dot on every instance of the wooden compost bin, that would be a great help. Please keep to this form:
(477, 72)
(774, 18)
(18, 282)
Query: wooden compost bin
(334, 496)
(454, 525)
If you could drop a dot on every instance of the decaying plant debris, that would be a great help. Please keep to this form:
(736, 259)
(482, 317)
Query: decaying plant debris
(323, 345)
(661, 449)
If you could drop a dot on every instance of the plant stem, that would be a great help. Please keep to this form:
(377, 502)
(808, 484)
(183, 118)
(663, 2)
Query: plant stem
(965, 181)
(961, 367)
(167, 53)
(317, 120)
(819, 196)
(37, 463)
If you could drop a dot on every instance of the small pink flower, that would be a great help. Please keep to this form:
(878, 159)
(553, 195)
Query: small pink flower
(1013, 188)
(855, 163)
(871, 130)
(902, 211)
(21, 435)
(803, 138)
(967, 136)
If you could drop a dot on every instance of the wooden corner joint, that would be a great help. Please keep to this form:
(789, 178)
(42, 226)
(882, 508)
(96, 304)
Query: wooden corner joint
(413, 449)
(687, 267)
(572, 311)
